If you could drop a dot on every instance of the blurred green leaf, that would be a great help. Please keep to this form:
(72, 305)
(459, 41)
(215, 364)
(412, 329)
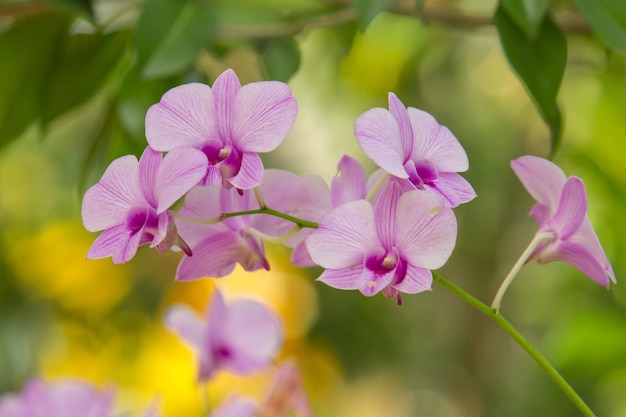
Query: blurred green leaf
(25, 52)
(83, 63)
(366, 10)
(527, 14)
(539, 63)
(608, 20)
(171, 33)
(81, 6)
(281, 58)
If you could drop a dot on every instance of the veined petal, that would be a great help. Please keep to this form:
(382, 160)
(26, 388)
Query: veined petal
(250, 172)
(415, 280)
(148, 168)
(435, 143)
(586, 236)
(180, 170)
(253, 334)
(378, 135)
(127, 247)
(426, 229)
(105, 204)
(225, 89)
(108, 242)
(454, 189)
(579, 257)
(263, 115)
(186, 324)
(344, 236)
(572, 208)
(371, 283)
(350, 182)
(543, 180)
(399, 113)
(342, 279)
(185, 116)
(385, 213)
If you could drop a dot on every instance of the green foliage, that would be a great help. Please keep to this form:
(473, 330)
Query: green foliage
(539, 63)
(527, 14)
(608, 20)
(83, 7)
(368, 9)
(281, 58)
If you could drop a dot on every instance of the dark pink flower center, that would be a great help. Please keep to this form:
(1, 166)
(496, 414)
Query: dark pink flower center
(141, 219)
(421, 173)
(224, 159)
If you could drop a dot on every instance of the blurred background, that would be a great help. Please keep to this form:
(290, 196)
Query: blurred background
(76, 78)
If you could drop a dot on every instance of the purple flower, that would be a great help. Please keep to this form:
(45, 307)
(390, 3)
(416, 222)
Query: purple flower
(390, 247)
(242, 336)
(131, 201)
(561, 211)
(63, 398)
(410, 144)
(228, 122)
(217, 248)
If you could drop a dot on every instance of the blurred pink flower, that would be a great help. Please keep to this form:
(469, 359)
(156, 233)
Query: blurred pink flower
(561, 211)
(410, 144)
(390, 247)
(131, 201)
(242, 336)
(228, 122)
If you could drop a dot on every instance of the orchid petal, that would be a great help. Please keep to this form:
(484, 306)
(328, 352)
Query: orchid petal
(572, 208)
(250, 172)
(127, 247)
(542, 179)
(371, 283)
(399, 113)
(180, 170)
(454, 189)
(342, 279)
(225, 90)
(105, 204)
(415, 280)
(579, 257)
(586, 236)
(186, 324)
(343, 236)
(378, 135)
(235, 407)
(148, 169)
(350, 182)
(109, 242)
(185, 116)
(263, 115)
(426, 229)
(385, 213)
(435, 143)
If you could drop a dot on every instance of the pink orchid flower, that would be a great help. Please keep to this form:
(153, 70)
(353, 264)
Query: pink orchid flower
(228, 122)
(131, 201)
(561, 212)
(242, 336)
(411, 145)
(390, 247)
(63, 398)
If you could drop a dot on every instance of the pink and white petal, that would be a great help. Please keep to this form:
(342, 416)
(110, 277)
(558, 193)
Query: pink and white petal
(107, 243)
(344, 236)
(185, 117)
(148, 168)
(415, 281)
(253, 333)
(166, 229)
(399, 113)
(436, 144)
(586, 236)
(263, 115)
(106, 203)
(342, 279)
(235, 406)
(349, 184)
(455, 189)
(426, 229)
(378, 135)
(250, 173)
(543, 179)
(215, 256)
(385, 213)
(572, 210)
(12, 406)
(76, 398)
(579, 257)
(186, 324)
(225, 89)
(371, 283)
(300, 257)
(127, 247)
(180, 171)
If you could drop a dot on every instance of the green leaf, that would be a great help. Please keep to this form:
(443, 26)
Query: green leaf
(81, 6)
(539, 63)
(281, 58)
(25, 52)
(366, 10)
(527, 14)
(171, 33)
(608, 20)
(83, 63)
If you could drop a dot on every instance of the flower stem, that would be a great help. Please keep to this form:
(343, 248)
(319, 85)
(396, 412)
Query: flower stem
(539, 237)
(272, 212)
(525, 344)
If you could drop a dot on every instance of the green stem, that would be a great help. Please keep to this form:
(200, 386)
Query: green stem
(272, 212)
(525, 344)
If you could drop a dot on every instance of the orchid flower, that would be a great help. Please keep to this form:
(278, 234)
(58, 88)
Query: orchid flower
(411, 145)
(235, 406)
(561, 212)
(390, 247)
(242, 336)
(131, 201)
(63, 398)
(228, 122)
